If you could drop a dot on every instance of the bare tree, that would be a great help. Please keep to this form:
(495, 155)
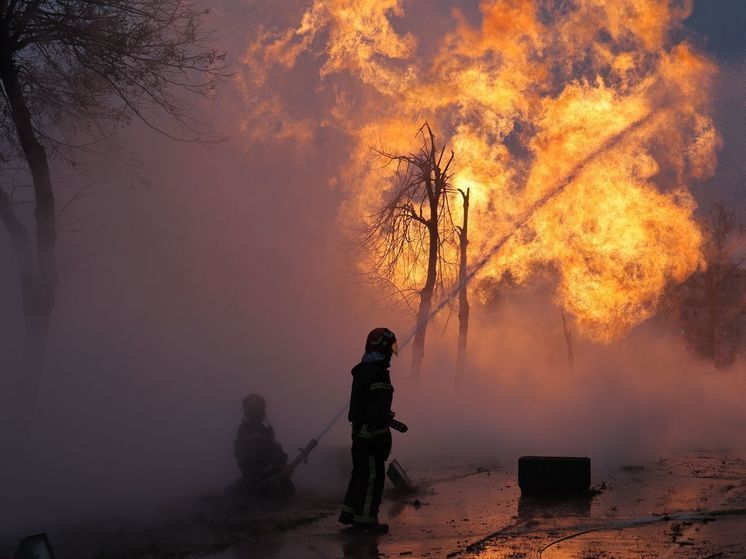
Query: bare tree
(710, 306)
(463, 294)
(408, 236)
(71, 71)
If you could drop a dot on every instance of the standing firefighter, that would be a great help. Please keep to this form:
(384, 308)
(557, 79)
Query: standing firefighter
(370, 412)
(260, 457)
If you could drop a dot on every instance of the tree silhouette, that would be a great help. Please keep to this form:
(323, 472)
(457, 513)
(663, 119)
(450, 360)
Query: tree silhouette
(408, 236)
(710, 306)
(71, 71)
(463, 294)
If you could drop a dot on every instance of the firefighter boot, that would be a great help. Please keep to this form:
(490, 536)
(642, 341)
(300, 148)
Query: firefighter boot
(371, 527)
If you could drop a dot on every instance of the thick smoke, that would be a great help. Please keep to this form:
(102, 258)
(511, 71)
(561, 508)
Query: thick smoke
(196, 276)
(627, 403)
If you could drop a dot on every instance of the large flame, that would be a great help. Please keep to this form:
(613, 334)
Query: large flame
(523, 96)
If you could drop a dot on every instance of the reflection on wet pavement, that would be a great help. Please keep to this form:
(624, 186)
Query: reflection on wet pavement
(347, 547)
(535, 508)
(690, 506)
(686, 507)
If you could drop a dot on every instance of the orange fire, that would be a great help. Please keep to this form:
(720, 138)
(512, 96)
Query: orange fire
(522, 97)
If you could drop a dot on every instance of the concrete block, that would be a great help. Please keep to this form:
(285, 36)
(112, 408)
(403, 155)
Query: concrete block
(538, 475)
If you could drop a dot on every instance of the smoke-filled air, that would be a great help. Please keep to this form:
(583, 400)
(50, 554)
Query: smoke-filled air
(372, 278)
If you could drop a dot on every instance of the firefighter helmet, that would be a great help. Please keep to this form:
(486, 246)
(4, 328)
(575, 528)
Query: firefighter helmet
(254, 405)
(382, 340)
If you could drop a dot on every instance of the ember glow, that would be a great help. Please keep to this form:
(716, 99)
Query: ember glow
(523, 94)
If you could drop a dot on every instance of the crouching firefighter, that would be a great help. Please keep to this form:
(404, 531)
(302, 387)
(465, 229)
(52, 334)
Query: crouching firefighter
(261, 459)
(370, 412)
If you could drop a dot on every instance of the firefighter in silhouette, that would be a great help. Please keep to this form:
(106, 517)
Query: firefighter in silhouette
(370, 412)
(260, 457)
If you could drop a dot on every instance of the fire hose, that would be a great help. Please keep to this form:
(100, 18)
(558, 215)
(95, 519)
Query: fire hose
(558, 188)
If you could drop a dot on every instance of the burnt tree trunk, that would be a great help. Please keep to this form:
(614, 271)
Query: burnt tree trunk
(711, 331)
(434, 190)
(38, 279)
(463, 295)
(21, 245)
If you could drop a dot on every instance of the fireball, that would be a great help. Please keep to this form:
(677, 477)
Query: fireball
(524, 94)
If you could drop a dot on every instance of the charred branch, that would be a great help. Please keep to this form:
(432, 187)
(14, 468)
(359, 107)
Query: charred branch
(408, 235)
(463, 294)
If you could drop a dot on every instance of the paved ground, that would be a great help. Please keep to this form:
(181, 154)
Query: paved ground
(688, 506)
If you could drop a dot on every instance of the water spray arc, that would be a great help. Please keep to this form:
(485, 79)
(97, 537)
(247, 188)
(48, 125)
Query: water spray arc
(558, 188)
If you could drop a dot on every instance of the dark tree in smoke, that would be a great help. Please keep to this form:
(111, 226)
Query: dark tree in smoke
(463, 294)
(408, 234)
(711, 305)
(70, 71)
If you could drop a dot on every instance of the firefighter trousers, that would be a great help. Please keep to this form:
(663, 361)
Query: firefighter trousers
(365, 489)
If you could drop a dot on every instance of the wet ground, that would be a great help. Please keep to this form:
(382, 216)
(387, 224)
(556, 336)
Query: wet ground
(688, 506)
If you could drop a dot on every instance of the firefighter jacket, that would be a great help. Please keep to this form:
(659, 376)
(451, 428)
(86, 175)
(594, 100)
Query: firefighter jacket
(370, 400)
(257, 452)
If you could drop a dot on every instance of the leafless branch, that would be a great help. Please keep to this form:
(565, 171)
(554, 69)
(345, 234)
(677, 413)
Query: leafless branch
(413, 223)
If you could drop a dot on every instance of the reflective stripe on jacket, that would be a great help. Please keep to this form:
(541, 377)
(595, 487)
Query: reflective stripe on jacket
(370, 399)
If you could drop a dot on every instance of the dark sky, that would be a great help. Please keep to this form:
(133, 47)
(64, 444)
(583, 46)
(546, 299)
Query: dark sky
(723, 24)
(720, 25)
